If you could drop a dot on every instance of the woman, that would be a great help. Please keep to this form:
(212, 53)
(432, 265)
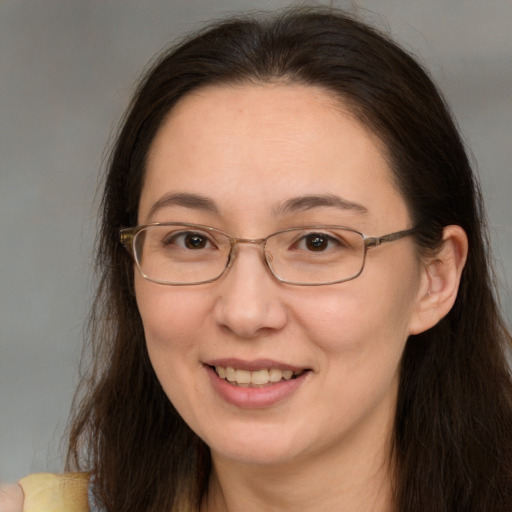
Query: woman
(296, 311)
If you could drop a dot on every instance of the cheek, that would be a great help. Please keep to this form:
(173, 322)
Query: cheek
(370, 314)
(173, 319)
(171, 316)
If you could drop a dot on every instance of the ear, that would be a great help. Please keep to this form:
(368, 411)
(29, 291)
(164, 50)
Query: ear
(440, 280)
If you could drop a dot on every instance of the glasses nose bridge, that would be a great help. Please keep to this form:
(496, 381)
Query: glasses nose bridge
(233, 241)
(251, 241)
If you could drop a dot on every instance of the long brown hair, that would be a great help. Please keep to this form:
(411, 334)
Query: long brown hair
(453, 429)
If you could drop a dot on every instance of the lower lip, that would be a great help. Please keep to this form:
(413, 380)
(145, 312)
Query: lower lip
(254, 398)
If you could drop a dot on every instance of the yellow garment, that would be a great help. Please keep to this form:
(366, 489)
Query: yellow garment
(46, 492)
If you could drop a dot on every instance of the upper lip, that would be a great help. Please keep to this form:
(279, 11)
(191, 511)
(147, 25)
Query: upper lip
(253, 365)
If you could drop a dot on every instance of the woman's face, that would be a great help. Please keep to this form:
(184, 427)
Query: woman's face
(243, 159)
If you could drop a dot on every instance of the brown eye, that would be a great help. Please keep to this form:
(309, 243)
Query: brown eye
(319, 242)
(195, 241)
(316, 242)
(187, 240)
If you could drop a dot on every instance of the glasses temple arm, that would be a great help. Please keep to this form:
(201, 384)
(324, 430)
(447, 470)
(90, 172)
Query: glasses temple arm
(374, 241)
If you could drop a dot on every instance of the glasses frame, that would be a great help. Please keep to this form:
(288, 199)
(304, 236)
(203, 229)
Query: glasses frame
(127, 238)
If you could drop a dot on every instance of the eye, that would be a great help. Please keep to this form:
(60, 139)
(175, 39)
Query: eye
(188, 240)
(318, 242)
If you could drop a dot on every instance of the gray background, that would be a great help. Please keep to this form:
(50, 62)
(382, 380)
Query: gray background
(67, 69)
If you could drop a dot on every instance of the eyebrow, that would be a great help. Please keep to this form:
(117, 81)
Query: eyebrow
(187, 200)
(295, 204)
(311, 201)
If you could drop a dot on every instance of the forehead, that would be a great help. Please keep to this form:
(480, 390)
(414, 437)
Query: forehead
(252, 146)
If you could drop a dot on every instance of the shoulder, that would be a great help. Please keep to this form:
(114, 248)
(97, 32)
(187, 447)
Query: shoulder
(11, 498)
(47, 492)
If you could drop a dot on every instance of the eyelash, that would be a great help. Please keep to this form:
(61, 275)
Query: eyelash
(303, 239)
(171, 239)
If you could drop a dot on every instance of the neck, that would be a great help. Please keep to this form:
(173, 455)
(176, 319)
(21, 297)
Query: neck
(354, 478)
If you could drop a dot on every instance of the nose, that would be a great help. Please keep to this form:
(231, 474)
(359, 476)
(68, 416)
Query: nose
(249, 301)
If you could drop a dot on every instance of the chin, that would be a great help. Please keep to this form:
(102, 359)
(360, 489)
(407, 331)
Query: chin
(262, 448)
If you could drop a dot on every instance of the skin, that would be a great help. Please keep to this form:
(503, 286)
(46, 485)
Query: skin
(326, 445)
(11, 498)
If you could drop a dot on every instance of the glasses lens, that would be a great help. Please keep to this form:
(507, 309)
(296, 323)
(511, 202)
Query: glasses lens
(318, 255)
(180, 254)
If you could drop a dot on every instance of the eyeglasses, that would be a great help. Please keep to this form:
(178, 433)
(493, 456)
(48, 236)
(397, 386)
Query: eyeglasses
(179, 254)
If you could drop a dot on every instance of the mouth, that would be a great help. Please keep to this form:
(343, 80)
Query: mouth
(257, 378)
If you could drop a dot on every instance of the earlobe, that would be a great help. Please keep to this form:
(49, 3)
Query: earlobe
(440, 280)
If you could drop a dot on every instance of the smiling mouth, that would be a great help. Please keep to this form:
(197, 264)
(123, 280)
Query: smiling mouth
(257, 378)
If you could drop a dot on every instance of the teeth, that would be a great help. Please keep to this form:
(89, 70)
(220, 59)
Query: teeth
(230, 374)
(259, 377)
(275, 375)
(256, 378)
(242, 377)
